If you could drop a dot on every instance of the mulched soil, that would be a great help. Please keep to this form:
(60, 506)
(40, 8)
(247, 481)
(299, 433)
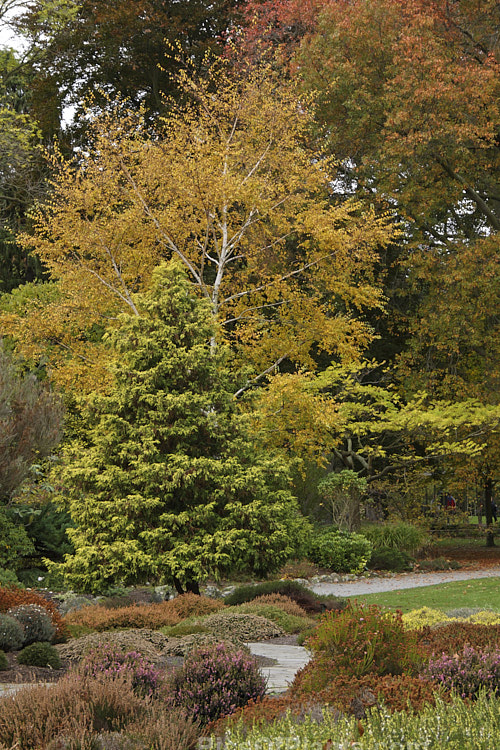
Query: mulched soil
(20, 673)
(477, 557)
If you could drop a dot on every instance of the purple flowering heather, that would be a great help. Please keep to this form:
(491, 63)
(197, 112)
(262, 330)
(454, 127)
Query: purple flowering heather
(111, 661)
(216, 680)
(467, 672)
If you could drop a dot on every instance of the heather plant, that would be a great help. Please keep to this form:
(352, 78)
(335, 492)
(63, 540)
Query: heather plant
(41, 654)
(73, 707)
(357, 641)
(214, 681)
(36, 622)
(425, 616)
(456, 724)
(450, 638)
(299, 593)
(4, 662)
(11, 633)
(13, 596)
(97, 617)
(467, 672)
(287, 622)
(340, 551)
(110, 662)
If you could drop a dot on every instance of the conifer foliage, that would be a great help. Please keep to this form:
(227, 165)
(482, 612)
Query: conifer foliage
(167, 487)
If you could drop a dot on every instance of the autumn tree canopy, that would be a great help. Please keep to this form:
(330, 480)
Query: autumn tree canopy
(227, 185)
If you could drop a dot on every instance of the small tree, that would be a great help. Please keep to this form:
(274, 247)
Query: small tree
(30, 424)
(343, 491)
(167, 486)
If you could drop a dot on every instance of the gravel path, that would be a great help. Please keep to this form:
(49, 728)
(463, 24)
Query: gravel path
(402, 581)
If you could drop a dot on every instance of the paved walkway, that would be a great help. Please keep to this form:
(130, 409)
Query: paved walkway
(402, 581)
(290, 659)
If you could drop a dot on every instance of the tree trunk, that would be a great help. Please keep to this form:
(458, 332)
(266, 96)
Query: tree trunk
(191, 587)
(488, 499)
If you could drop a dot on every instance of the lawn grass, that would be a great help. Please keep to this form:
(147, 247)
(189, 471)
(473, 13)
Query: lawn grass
(477, 592)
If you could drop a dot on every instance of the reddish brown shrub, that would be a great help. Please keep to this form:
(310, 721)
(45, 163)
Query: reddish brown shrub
(283, 602)
(452, 637)
(100, 618)
(12, 597)
(191, 605)
(398, 692)
(73, 706)
(348, 695)
(152, 616)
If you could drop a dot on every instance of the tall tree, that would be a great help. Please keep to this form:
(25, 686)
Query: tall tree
(166, 485)
(227, 185)
(119, 48)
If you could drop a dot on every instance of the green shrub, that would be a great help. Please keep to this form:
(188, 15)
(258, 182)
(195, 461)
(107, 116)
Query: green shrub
(340, 551)
(387, 558)
(8, 578)
(14, 542)
(214, 681)
(41, 654)
(458, 724)
(288, 623)
(400, 536)
(4, 663)
(299, 593)
(11, 633)
(36, 622)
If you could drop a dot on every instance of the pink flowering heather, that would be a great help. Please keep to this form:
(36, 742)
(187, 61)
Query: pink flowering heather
(110, 661)
(467, 672)
(214, 681)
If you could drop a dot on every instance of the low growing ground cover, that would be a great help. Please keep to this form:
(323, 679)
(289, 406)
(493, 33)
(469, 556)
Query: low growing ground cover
(381, 675)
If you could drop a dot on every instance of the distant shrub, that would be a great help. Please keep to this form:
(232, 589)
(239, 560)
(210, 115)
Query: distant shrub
(299, 593)
(155, 615)
(242, 627)
(438, 563)
(40, 655)
(192, 605)
(214, 681)
(484, 618)
(4, 662)
(401, 536)
(425, 616)
(11, 633)
(99, 618)
(36, 622)
(110, 662)
(340, 551)
(12, 596)
(9, 578)
(285, 603)
(467, 672)
(390, 559)
(289, 623)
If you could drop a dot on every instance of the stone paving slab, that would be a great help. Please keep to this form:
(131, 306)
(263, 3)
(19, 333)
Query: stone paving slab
(290, 659)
